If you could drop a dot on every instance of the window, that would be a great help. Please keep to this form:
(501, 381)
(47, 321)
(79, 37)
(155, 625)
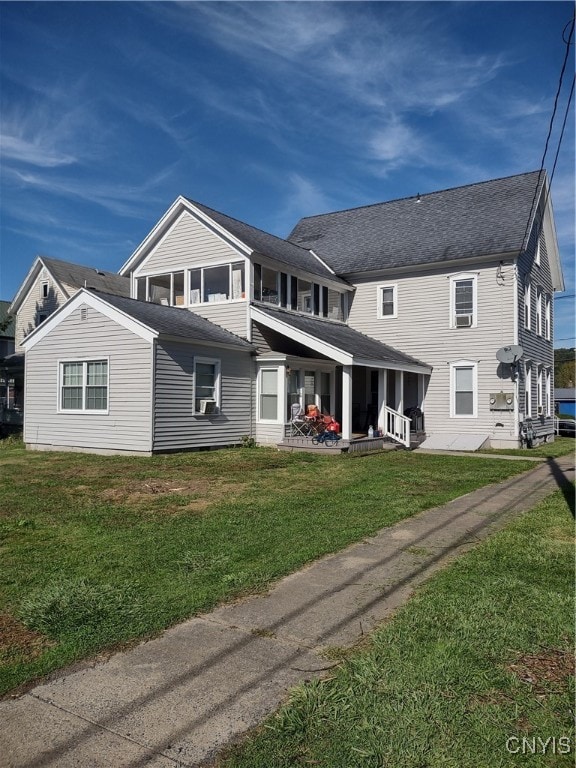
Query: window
(463, 301)
(269, 394)
(527, 304)
(225, 282)
(464, 389)
(40, 317)
(539, 312)
(548, 394)
(304, 298)
(540, 390)
(547, 326)
(537, 253)
(206, 385)
(528, 390)
(266, 286)
(84, 385)
(44, 289)
(387, 301)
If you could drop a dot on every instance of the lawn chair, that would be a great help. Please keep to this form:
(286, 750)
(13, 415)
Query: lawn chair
(299, 427)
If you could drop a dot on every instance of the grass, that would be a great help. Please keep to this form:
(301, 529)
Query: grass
(480, 658)
(97, 551)
(560, 447)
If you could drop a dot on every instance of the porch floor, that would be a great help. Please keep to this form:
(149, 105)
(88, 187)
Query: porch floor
(360, 444)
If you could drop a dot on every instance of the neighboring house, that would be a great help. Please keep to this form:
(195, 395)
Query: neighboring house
(6, 350)
(49, 284)
(371, 314)
(565, 400)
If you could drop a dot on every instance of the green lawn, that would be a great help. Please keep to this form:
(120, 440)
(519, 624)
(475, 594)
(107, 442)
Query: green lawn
(476, 671)
(96, 551)
(560, 447)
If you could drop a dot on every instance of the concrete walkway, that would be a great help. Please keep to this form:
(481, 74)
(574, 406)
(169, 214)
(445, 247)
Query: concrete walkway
(178, 699)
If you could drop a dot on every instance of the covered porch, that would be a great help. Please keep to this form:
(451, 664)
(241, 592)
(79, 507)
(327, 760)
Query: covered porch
(374, 392)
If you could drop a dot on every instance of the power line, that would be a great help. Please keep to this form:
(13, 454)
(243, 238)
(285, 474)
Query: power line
(556, 98)
(568, 296)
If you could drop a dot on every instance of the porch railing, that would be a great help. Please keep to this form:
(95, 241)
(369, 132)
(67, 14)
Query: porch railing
(396, 426)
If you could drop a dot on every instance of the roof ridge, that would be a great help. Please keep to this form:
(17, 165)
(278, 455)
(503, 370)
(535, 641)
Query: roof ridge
(412, 197)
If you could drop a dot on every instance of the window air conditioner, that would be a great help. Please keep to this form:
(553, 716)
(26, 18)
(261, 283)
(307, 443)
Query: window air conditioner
(463, 321)
(540, 410)
(207, 406)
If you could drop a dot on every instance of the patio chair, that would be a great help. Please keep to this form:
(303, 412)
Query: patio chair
(299, 427)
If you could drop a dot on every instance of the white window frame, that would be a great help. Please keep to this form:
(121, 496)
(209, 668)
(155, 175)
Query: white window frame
(537, 253)
(454, 279)
(84, 362)
(547, 318)
(540, 391)
(538, 311)
(215, 361)
(459, 364)
(548, 392)
(276, 370)
(528, 305)
(528, 389)
(44, 289)
(379, 292)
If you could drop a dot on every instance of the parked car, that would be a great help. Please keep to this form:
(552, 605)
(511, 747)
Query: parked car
(567, 427)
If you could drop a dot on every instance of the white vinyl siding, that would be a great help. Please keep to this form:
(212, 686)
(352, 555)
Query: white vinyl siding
(421, 331)
(176, 425)
(126, 424)
(37, 306)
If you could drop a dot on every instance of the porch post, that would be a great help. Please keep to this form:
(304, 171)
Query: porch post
(400, 391)
(346, 402)
(382, 377)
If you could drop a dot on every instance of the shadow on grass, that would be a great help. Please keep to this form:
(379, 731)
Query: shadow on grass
(507, 497)
(565, 484)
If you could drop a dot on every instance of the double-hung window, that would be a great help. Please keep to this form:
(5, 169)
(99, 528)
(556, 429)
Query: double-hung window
(547, 318)
(527, 304)
(387, 299)
(539, 311)
(528, 390)
(206, 385)
(463, 301)
(464, 389)
(84, 385)
(268, 394)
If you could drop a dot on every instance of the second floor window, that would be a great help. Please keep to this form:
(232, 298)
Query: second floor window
(213, 284)
(527, 304)
(463, 301)
(387, 301)
(539, 312)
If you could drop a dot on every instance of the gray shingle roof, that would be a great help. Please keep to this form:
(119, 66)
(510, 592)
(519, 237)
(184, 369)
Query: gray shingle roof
(565, 393)
(464, 222)
(174, 321)
(269, 245)
(79, 276)
(342, 337)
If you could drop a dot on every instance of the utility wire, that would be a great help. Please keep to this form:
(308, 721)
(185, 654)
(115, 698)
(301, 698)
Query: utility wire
(557, 97)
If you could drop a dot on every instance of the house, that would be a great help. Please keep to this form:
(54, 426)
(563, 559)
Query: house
(565, 400)
(432, 313)
(6, 350)
(120, 375)
(49, 284)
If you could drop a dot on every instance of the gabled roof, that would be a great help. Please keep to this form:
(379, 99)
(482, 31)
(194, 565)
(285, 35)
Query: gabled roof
(74, 275)
(488, 218)
(147, 320)
(247, 240)
(269, 245)
(336, 340)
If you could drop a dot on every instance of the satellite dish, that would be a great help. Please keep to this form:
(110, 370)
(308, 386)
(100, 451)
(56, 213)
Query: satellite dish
(510, 354)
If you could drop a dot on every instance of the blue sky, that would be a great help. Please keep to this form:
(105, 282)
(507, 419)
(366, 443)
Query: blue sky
(266, 112)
